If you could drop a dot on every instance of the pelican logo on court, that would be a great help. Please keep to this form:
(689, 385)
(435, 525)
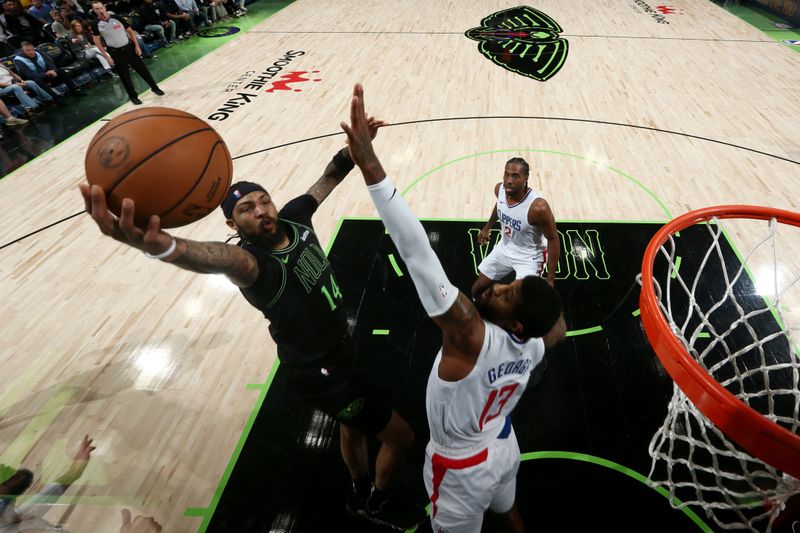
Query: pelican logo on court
(219, 31)
(523, 40)
(113, 151)
(284, 82)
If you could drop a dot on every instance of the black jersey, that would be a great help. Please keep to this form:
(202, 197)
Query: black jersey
(297, 291)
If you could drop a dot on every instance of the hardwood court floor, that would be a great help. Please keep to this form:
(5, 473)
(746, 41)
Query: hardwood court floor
(644, 121)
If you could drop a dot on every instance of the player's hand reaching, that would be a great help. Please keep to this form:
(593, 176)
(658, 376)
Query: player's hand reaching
(152, 240)
(483, 236)
(360, 133)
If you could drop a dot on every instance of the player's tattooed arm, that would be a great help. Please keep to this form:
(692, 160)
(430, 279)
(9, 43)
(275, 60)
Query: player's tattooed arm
(236, 263)
(332, 177)
(462, 326)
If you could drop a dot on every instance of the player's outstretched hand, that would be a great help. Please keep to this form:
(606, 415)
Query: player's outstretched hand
(152, 240)
(359, 138)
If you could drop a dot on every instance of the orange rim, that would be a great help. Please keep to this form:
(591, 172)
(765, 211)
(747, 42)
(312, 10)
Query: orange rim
(762, 438)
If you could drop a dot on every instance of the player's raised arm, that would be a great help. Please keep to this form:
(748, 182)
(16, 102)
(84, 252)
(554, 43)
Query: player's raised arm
(451, 310)
(339, 167)
(204, 257)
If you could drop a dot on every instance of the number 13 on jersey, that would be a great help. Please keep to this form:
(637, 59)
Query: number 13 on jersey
(497, 400)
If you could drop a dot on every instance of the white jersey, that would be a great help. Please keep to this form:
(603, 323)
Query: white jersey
(520, 239)
(471, 411)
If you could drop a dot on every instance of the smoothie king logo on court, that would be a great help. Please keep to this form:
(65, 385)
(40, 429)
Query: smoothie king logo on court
(658, 13)
(523, 40)
(252, 84)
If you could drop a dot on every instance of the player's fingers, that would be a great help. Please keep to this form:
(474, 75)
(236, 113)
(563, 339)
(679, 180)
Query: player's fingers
(126, 217)
(126, 517)
(86, 193)
(360, 91)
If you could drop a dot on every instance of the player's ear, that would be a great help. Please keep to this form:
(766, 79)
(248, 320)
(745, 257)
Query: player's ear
(231, 224)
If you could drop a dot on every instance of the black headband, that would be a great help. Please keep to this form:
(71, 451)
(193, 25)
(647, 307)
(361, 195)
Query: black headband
(235, 193)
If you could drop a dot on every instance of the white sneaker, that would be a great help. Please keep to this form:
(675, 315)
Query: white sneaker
(14, 121)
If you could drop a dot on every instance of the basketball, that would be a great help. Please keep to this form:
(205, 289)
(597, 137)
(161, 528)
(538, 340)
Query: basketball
(169, 162)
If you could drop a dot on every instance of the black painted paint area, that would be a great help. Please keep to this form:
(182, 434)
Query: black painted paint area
(603, 394)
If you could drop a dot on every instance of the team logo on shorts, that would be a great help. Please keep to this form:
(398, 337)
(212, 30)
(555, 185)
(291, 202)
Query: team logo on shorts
(352, 410)
(523, 40)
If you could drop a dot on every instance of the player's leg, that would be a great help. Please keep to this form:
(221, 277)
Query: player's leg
(503, 501)
(459, 495)
(396, 440)
(511, 521)
(353, 446)
(494, 266)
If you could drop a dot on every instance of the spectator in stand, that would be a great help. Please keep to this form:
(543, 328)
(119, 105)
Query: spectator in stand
(196, 17)
(184, 23)
(11, 120)
(214, 10)
(38, 67)
(41, 11)
(121, 49)
(10, 83)
(69, 14)
(20, 22)
(238, 8)
(83, 47)
(58, 27)
(153, 21)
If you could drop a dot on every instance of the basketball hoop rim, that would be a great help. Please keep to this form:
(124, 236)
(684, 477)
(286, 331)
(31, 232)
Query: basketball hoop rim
(761, 437)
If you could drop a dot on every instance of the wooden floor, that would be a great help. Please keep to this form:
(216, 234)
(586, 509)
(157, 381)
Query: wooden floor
(644, 122)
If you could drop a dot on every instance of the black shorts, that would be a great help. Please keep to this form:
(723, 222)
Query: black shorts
(342, 391)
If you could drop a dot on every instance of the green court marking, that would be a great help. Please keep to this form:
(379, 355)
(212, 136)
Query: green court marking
(380, 331)
(396, 268)
(762, 21)
(19, 449)
(251, 386)
(196, 511)
(637, 312)
(586, 331)
(235, 457)
(674, 273)
(551, 152)
(703, 335)
(621, 469)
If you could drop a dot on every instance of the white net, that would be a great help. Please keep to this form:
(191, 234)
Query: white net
(735, 326)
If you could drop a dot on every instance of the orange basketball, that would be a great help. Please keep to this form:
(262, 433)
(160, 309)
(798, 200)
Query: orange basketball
(169, 162)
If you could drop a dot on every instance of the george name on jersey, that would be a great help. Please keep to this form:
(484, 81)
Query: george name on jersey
(509, 367)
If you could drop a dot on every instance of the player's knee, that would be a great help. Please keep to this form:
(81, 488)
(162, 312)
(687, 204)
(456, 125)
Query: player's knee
(398, 434)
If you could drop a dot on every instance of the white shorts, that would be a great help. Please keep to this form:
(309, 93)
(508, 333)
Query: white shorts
(462, 488)
(499, 264)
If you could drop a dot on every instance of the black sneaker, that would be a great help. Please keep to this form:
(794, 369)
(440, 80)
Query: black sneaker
(356, 506)
(136, 101)
(158, 91)
(396, 515)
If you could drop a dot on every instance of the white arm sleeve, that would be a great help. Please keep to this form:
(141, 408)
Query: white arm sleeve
(435, 290)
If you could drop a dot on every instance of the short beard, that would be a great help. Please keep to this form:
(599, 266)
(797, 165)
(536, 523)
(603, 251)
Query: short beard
(268, 240)
(480, 303)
